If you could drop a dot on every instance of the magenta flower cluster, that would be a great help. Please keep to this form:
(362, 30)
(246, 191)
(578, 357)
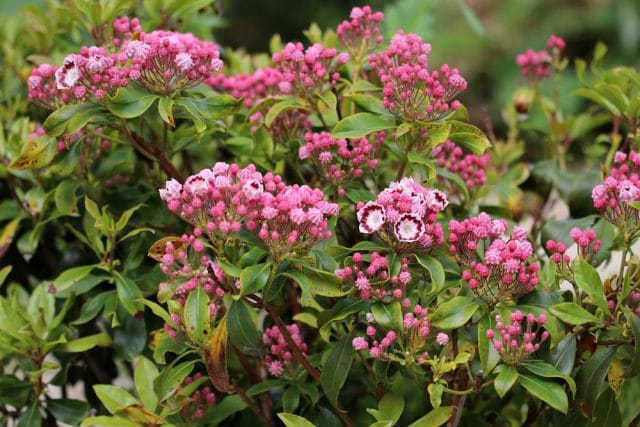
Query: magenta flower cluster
(254, 87)
(404, 216)
(225, 199)
(361, 33)
(280, 357)
(620, 187)
(587, 244)
(502, 270)
(372, 278)
(161, 61)
(517, 340)
(410, 90)
(200, 399)
(469, 167)
(534, 65)
(377, 348)
(305, 72)
(341, 160)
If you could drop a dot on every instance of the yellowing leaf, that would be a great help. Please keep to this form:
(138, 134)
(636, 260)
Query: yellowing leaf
(216, 357)
(616, 377)
(35, 154)
(8, 234)
(157, 250)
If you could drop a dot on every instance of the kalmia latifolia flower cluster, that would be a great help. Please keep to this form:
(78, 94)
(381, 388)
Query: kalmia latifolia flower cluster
(305, 72)
(361, 33)
(536, 66)
(410, 90)
(618, 189)
(502, 270)
(280, 359)
(404, 216)
(372, 279)
(200, 399)
(469, 167)
(517, 340)
(187, 267)
(161, 61)
(586, 242)
(339, 159)
(225, 199)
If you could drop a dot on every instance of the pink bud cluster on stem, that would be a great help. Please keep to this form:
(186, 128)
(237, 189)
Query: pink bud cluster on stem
(372, 278)
(410, 90)
(200, 399)
(502, 270)
(226, 199)
(280, 359)
(341, 160)
(587, 244)
(361, 34)
(619, 188)
(404, 216)
(519, 339)
(469, 167)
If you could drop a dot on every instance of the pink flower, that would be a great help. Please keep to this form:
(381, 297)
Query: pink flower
(360, 343)
(371, 218)
(409, 228)
(442, 338)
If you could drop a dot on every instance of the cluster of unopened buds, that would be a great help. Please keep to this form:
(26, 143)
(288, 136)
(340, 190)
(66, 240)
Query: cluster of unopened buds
(222, 200)
(339, 159)
(161, 61)
(469, 167)
(517, 340)
(281, 358)
(373, 280)
(200, 399)
(587, 245)
(404, 216)
(187, 267)
(410, 90)
(305, 72)
(377, 348)
(622, 186)
(537, 66)
(361, 33)
(503, 270)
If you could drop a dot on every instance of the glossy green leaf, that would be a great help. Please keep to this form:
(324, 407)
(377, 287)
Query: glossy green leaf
(31, 417)
(390, 408)
(634, 366)
(469, 136)
(388, 316)
(65, 197)
(196, 319)
(242, 329)
(131, 101)
(505, 379)
(588, 279)
(144, 374)
(546, 370)
(549, 392)
(573, 314)
(71, 277)
(115, 399)
(362, 124)
(489, 356)
(454, 313)
(172, 377)
(435, 269)
(282, 106)
(128, 293)
(436, 417)
(606, 413)
(73, 117)
(591, 376)
(165, 109)
(336, 368)
(69, 411)
(83, 344)
(564, 355)
(292, 420)
(254, 278)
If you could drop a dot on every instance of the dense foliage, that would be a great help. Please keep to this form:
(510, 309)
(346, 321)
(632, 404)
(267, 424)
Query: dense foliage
(192, 235)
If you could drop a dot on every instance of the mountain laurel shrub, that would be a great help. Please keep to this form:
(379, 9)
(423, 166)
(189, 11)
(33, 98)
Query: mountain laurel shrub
(192, 235)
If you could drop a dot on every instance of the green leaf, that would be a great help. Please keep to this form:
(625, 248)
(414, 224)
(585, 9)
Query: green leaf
(591, 376)
(68, 411)
(128, 293)
(172, 377)
(588, 279)
(437, 133)
(564, 355)
(73, 117)
(505, 379)
(634, 366)
(324, 283)
(282, 106)
(131, 101)
(165, 109)
(454, 313)
(83, 344)
(224, 409)
(435, 394)
(65, 197)
(206, 110)
(436, 417)
(470, 137)
(388, 316)
(336, 368)
(606, 413)
(435, 269)
(546, 370)
(13, 391)
(105, 421)
(71, 277)
(254, 278)
(291, 420)
(196, 320)
(144, 374)
(31, 417)
(362, 124)
(242, 329)
(239, 145)
(265, 386)
(4, 273)
(548, 391)
(115, 399)
(489, 356)
(290, 399)
(369, 103)
(390, 408)
(573, 314)
(35, 154)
